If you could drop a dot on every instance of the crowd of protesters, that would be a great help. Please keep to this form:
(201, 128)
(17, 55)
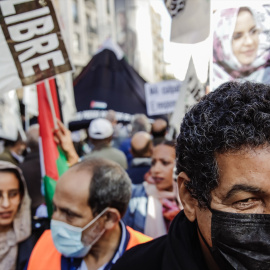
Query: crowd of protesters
(200, 202)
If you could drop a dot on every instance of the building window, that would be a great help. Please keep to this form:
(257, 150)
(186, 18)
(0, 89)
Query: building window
(90, 1)
(88, 23)
(77, 46)
(75, 11)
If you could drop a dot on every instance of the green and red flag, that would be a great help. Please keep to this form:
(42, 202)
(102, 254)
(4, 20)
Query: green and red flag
(53, 159)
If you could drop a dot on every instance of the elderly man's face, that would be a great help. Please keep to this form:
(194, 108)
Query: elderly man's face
(70, 198)
(244, 187)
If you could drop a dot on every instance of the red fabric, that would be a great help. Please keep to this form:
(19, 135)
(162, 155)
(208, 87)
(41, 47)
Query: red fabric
(45, 119)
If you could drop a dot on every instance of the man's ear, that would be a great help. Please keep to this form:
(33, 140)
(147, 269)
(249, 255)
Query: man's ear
(112, 218)
(189, 203)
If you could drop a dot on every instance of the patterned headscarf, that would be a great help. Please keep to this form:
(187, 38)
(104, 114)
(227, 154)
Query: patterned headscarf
(21, 224)
(226, 64)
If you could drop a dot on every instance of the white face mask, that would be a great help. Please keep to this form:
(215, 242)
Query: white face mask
(68, 239)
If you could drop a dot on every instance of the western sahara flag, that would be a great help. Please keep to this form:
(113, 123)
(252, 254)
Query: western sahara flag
(53, 159)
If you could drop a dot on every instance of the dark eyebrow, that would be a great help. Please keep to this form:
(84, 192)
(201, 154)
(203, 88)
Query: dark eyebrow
(237, 188)
(253, 27)
(67, 211)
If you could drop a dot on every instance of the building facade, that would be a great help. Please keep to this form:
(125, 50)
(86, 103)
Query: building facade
(133, 24)
(86, 24)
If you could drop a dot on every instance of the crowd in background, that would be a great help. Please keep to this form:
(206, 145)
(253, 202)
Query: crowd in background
(140, 148)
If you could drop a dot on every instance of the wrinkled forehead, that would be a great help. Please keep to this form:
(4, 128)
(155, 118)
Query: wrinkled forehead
(73, 185)
(248, 166)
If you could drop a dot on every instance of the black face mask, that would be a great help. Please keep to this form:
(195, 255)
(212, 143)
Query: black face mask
(240, 241)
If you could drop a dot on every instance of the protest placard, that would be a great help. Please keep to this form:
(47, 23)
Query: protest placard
(161, 97)
(241, 42)
(31, 44)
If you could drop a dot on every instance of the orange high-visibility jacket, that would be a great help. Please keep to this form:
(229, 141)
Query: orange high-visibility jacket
(45, 256)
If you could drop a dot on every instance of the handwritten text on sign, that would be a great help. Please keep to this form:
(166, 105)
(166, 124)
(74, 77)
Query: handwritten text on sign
(161, 97)
(34, 39)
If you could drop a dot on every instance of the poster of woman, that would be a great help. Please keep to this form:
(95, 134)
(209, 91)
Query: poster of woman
(241, 44)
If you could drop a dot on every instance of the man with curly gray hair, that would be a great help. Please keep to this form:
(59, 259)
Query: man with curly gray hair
(223, 153)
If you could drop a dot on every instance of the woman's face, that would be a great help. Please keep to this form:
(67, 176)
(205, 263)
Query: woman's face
(9, 198)
(245, 38)
(163, 160)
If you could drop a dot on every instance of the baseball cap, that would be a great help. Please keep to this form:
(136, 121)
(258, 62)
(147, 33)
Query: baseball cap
(100, 128)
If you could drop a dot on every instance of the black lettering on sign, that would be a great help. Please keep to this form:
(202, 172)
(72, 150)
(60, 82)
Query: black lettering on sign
(166, 105)
(170, 89)
(34, 39)
(153, 90)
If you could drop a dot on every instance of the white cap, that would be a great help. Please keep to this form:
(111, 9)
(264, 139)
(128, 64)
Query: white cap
(100, 128)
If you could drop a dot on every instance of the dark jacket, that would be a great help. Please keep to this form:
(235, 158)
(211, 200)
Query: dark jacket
(138, 168)
(7, 156)
(32, 174)
(137, 209)
(179, 250)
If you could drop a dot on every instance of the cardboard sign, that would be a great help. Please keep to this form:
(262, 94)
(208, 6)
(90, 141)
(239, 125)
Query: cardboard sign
(31, 44)
(161, 97)
(241, 43)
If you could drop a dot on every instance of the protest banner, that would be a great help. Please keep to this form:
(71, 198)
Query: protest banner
(192, 90)
(183, 13)
(241, 42)
(161, 97)
(31, 44)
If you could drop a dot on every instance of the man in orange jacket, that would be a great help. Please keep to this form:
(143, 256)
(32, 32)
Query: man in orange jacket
(86, 227)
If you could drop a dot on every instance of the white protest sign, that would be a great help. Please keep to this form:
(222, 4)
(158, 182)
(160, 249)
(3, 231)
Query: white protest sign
(192, 90)
(30, 99)
(10, 123)
(31, 44)
(66, 96)
(183, 13)
(161, 97)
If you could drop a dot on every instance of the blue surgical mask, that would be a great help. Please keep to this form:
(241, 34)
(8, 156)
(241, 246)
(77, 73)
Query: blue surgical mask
(68, 239)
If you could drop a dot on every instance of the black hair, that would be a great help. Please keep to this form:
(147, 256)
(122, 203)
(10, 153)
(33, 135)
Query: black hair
(234, 117)
(170, 143)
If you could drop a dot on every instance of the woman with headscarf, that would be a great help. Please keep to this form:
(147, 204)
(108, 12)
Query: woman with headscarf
(241, 49)
(15, 215)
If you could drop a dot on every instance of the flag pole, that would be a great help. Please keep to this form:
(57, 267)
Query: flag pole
(50, 100)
